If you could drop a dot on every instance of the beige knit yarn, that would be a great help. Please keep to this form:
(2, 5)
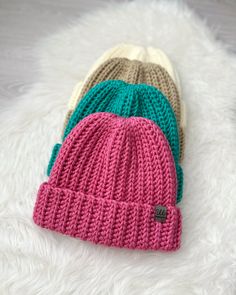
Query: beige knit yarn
(132, 52)
(145, 54)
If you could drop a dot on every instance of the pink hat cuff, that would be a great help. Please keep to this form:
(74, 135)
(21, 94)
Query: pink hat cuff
(105, 221)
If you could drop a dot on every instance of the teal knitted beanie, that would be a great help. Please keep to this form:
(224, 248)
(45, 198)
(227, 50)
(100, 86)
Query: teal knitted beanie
(127, 100)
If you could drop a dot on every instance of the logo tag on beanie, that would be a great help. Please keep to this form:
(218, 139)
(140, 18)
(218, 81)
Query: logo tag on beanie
(160, 213)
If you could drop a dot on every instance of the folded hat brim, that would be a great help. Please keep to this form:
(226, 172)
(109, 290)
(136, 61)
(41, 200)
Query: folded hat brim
(105, 221)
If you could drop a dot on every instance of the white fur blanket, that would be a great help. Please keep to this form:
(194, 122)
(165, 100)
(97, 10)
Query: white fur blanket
(37, 261)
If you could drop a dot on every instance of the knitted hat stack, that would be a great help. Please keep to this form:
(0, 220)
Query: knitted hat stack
(116, 178)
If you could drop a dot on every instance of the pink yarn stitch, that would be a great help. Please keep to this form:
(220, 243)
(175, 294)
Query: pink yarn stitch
(108, 178)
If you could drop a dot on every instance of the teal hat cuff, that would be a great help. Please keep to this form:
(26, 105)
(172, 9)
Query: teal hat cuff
(180, 177)
(53, 157)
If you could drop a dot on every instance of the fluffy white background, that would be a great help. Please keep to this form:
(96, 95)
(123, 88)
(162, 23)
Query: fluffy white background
(37, 261)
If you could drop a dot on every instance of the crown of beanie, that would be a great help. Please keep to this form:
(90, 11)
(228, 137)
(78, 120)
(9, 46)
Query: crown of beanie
(128, 100)
(143, 54)
(113, 183)
(137, 72)
(132, 52)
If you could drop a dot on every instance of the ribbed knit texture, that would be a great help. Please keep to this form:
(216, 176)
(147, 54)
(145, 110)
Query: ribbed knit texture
(132, 52)
(144, 54)
(136, 72)
(128, 100)
(110, 175)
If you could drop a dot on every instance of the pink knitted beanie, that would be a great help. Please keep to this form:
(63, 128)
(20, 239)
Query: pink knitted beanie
(113, 183)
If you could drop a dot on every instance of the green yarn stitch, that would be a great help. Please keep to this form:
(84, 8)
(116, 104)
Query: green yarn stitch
(180, 176)
(126, 100)
(53, 157)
